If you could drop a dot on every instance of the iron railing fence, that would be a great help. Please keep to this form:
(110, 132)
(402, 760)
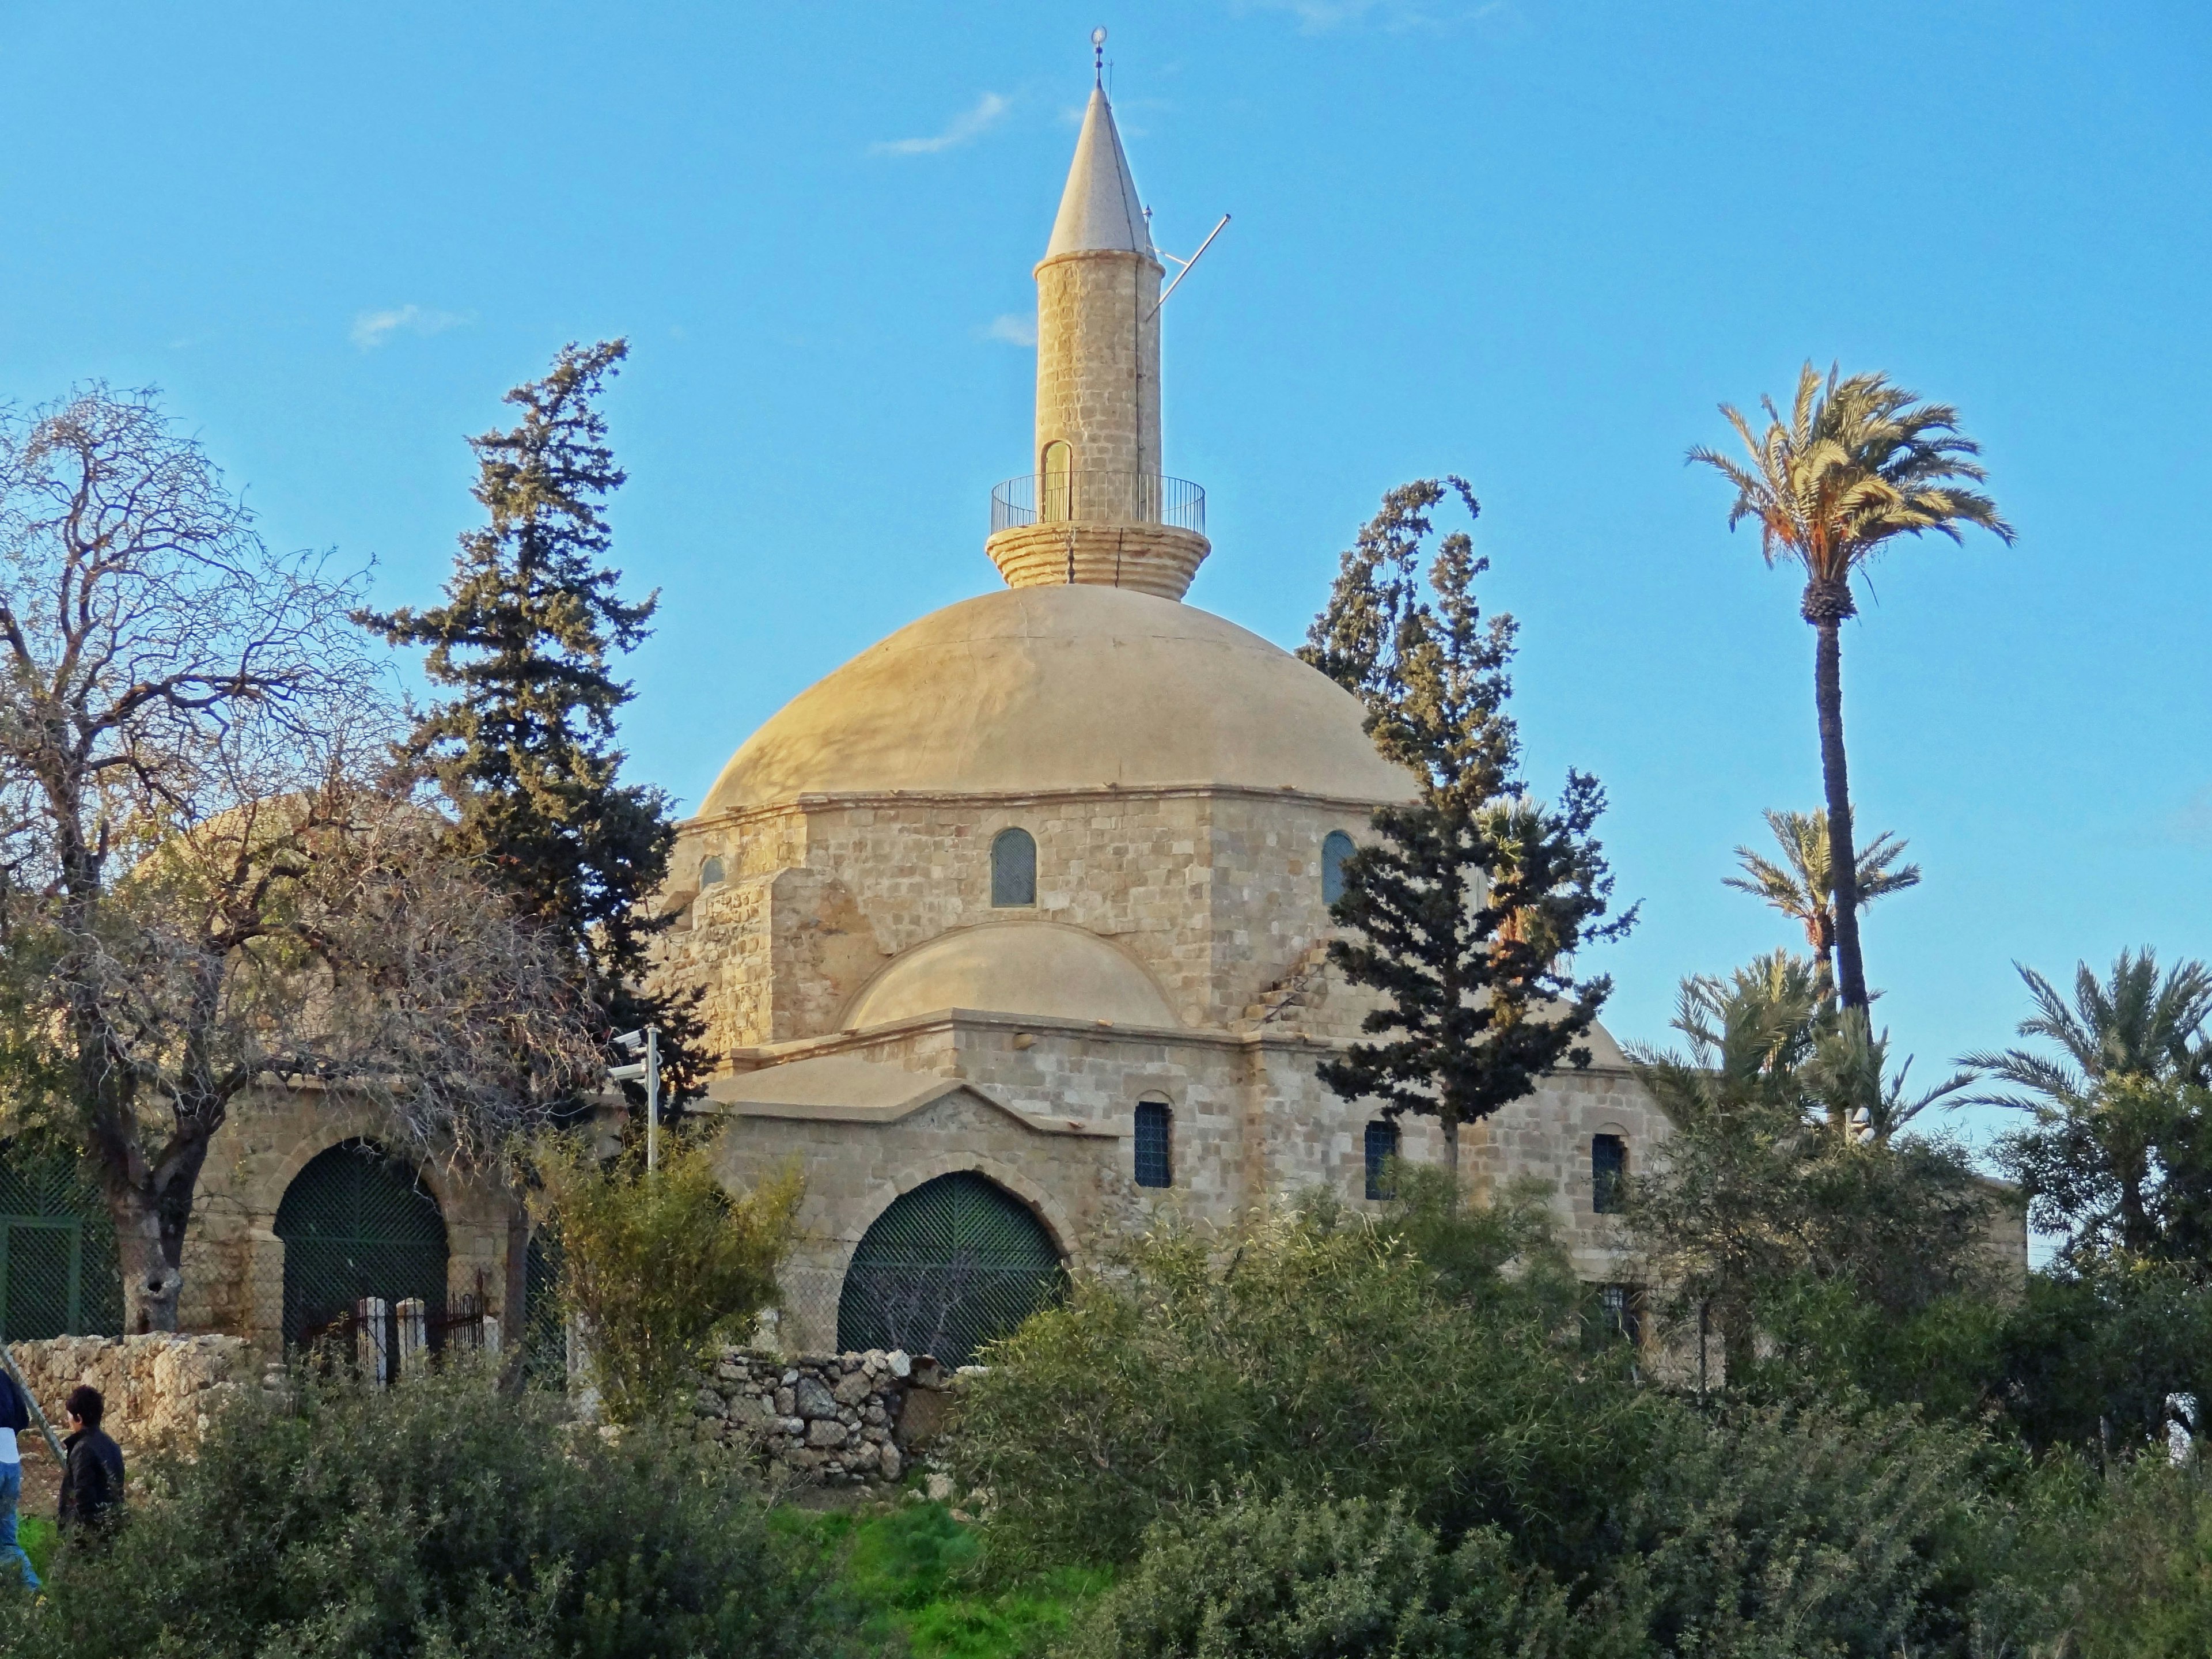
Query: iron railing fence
(1100, 498)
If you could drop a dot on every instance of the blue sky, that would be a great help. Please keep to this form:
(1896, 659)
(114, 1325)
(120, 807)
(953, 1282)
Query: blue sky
(1534, 243)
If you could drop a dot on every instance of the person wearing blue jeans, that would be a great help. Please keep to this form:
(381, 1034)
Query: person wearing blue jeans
(15, 1417)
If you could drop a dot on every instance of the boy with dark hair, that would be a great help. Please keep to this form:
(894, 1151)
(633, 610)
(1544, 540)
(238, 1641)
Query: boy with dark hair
(14, 1419)
(92, 1479)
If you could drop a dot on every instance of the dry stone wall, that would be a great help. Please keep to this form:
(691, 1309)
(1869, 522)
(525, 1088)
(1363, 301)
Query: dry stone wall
(827, 1419)
(158, 1390)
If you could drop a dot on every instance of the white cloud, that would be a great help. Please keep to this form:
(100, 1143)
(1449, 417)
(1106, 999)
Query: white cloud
(989, 109)
(371, 328)
(1012, 328)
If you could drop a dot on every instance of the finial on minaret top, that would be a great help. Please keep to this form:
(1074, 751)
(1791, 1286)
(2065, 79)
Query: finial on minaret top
(1098, 57)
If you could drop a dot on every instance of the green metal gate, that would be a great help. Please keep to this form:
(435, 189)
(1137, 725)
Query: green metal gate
(58, 1270)
(357, 1221)
(947, 1268)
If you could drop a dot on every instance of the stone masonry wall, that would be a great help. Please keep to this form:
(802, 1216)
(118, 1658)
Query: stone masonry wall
(1098, 361)
(158, 1389)
(826, 1419)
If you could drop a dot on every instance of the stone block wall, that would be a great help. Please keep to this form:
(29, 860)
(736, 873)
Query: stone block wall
(826, 1419)
(158, 1389)
(1098, 361)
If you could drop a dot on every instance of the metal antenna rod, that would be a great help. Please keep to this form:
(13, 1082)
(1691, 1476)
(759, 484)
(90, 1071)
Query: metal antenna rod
(1187, 264)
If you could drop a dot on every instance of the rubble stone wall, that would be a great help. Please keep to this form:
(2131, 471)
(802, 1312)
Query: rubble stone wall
(158, 1389)
(827, 1419)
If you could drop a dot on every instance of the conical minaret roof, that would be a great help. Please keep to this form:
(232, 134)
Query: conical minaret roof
(1099, 210)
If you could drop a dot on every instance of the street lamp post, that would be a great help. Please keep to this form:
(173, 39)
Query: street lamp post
(646, 1043)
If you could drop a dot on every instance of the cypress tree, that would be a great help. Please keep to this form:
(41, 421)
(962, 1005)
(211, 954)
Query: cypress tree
(525, 750)
(1467, 911)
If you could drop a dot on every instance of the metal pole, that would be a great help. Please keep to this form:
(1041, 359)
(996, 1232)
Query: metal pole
(652, 1097)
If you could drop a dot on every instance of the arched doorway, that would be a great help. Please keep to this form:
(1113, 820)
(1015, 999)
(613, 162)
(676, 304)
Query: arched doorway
(358, 1222)
(948, 1266)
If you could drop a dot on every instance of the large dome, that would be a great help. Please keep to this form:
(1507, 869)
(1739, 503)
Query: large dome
(1074, 687)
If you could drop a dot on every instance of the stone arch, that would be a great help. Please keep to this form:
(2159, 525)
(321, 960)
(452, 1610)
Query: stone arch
(954, 1260)
(357, 1221)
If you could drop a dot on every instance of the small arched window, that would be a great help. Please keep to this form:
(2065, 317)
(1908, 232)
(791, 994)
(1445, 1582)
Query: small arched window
(1013, 869)
(1335, 848)
(1154, 1144)
(710, 873)
(1608, 1173)
(1381, 1147)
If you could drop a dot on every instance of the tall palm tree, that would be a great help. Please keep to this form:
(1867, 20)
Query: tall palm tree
(1858, 462)
(1803, 886)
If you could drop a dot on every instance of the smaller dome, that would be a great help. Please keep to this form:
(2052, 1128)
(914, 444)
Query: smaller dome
(1036, 968)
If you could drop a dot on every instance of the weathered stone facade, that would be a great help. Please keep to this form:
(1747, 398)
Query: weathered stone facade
(1098, 358)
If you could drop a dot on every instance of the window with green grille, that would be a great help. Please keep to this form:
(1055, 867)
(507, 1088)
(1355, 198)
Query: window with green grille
(358, 1222)
(59, 1275)
(947, 1268)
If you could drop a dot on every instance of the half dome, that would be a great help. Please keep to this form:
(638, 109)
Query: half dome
(1074, 687)
(1040, 968)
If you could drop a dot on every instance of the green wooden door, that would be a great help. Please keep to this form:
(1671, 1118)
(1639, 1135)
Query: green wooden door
(357, 1221)
(948, 1266)
(58, 1270)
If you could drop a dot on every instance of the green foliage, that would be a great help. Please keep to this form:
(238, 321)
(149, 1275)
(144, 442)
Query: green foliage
(2119, 1158)
(1290, 1578)
(2089, 1358)
(526, 750)
(1782, 1174)
(911, 1578)
(1466, 913)
(1803, 886)
(436, 1518)
(1308, 1351)
(662, 1266)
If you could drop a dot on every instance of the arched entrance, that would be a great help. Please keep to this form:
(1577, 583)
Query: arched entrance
(948, 1266)
(358, 1222)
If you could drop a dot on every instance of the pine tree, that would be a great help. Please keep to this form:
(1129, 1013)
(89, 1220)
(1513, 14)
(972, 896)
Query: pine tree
(526, 751)
(1465, 914)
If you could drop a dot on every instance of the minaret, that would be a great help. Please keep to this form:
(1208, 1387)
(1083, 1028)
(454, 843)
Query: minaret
(1095, 508)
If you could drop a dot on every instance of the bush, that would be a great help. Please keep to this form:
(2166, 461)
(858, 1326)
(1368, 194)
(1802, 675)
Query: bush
(439, 1517)
(1284, 1578)
(1309, 1352)
(663, 1267)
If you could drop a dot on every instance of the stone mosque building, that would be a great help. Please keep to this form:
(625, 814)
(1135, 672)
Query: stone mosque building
(1012, 930)
(1011, 933)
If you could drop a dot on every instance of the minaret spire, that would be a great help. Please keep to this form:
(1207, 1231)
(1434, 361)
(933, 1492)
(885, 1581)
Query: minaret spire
(1096, 509)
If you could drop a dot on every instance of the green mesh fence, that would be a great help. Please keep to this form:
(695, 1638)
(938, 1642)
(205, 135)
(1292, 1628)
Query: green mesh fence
(948, 1266)
(546, 1364)
(355, 1223)
(58, 1270)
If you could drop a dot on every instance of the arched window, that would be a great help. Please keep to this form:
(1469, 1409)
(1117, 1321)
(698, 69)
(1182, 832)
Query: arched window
(1013, 869)
(1608, 1173)
(1154, 1144)
(710, 873)
(1381, 1147)
(1335, 848)
(1058, 463)
(357, 1221)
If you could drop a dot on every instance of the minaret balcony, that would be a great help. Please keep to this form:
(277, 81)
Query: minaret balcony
(1133, 530)
(1098, 498)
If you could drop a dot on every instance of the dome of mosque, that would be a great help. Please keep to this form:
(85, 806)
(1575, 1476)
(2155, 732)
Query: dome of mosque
(1036, 968)
(1077, 687)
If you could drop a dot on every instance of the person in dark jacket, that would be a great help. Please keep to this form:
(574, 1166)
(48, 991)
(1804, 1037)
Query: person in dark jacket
(92, 1479)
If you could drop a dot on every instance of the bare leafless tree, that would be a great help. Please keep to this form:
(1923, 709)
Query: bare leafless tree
(213, 872)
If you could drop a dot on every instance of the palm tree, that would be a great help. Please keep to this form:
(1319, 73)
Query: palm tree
(1801, 886)
(1858, 462)
(2123, 1043)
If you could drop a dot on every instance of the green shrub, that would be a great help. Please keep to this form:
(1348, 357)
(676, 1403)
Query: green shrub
(1311, 1353)
(436, 1518)
(1287, 1578)
(662, 1267)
